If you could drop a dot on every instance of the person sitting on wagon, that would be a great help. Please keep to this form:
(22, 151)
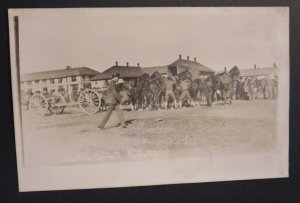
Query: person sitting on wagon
(113, 101)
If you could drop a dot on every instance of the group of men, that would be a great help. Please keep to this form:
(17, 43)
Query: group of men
(251, 88)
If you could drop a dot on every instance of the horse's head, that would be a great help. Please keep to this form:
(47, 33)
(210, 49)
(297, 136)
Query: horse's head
(235, 72)
(154, 75)
(185, 75)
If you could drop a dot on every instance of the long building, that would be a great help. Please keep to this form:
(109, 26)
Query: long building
(68, 79)
(197, 69)
(260, 72)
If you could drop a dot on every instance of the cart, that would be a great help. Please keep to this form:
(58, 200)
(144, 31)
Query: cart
(90, 101)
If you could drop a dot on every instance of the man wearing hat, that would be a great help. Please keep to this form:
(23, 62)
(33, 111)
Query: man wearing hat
(113, 100)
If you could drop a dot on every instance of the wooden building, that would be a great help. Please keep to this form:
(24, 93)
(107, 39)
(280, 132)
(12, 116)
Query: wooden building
(178, 66)
(68, 79)
(260, 72)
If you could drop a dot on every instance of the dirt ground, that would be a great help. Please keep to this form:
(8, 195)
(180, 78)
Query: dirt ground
(73, 137)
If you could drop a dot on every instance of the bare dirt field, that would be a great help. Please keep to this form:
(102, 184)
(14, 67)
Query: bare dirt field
(73, 137)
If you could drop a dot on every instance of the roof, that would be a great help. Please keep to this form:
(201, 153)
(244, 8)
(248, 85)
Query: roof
(161, 69)
(258, 71)
(125, 72)
(61, 73)
(187, 64)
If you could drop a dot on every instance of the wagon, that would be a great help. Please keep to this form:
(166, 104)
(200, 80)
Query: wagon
(89, 101)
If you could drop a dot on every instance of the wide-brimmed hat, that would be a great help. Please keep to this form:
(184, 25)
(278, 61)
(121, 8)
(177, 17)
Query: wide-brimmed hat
(115, 75)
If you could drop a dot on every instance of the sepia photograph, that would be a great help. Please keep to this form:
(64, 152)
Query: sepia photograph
(120, 97)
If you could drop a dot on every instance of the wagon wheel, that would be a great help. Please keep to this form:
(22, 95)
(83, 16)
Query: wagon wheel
(38, 104)
(58, 106)
(89, 101)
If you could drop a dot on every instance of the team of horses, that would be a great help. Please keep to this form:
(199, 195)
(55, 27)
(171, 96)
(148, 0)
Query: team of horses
(148, 91)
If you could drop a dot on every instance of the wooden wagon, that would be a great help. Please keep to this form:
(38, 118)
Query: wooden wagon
(89, 101)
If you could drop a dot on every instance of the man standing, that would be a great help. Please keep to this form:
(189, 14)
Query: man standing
(113, 101)
(185, 94)
(170, 83)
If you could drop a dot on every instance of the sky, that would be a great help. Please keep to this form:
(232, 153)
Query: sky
(96, 38)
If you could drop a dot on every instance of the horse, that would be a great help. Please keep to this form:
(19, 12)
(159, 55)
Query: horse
(184, 75)
(141, 93)
(202, 87)
(223, 83)
(136, 92)
(158, 88)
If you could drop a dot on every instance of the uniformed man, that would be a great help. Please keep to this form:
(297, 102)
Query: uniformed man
(185, 94)
(113, 101)
(170, 83)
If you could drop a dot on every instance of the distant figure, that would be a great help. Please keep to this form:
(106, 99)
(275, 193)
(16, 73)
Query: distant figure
(239, 89)
(234, 89)
(246, 88)
(65, 94)
(28, 95)
(270, 87)
(74, 95)
(113, 101)
(252, 88)
(170, 83)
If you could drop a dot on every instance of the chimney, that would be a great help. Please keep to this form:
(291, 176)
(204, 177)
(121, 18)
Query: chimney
(225, 69)
(180, 57)
(117, 63)
(138, 65)
(127, 64)
(254, 66)
(188, 58)
(195, 59)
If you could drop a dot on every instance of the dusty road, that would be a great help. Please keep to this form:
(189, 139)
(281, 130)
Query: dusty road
(73, 137)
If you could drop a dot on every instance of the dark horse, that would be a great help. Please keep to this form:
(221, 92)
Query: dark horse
(223, 83)
(142, 94)
(137, 92)
(157, 86)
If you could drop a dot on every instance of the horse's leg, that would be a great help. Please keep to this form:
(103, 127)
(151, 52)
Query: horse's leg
(159, 101)
(143, 101)
(131, 104)
(197, 98)
(213, 97)
(230, 94)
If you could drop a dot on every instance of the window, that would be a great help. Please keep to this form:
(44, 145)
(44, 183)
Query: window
(44, 82)
(59, 80)
(45, 89)
(36, 82)
(51, 81)
(73, 79)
